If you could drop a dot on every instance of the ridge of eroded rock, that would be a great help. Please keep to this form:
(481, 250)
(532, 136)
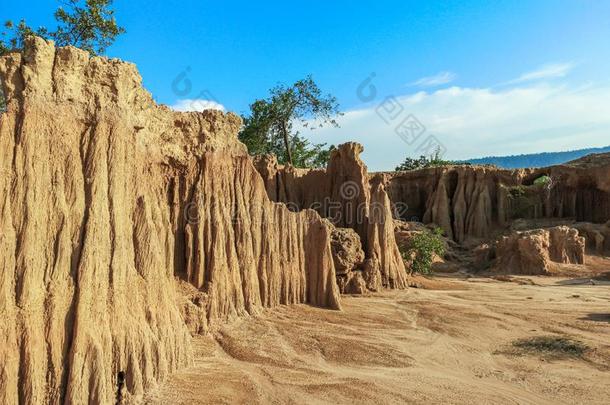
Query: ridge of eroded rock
(105, 198)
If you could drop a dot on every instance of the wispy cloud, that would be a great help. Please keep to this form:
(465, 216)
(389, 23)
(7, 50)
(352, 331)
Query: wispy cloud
(436, 80)
(474, 122)
(548, 71)
(197, 105)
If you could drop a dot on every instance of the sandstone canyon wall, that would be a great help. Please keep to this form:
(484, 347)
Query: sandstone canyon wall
(344, 195)
(474, 201)
(105, 198)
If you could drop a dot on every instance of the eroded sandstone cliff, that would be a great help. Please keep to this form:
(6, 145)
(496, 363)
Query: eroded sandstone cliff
(105, 198)
(343, 193)
(476, 201)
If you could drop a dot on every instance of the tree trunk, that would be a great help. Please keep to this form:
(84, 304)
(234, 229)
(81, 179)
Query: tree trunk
(287, 143)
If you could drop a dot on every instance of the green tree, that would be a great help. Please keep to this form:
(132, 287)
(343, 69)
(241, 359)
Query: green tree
(269, 128)
(89, 25)
(423, 248)
(424, 162)
(4, 49)
(15, 35)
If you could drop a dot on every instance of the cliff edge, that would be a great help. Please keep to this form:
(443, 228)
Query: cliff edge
(105, 199)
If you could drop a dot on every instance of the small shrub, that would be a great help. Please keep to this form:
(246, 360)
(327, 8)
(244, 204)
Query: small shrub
(552, 345)
(542, 181)
(524, 201)
(516, 192)
(422, 250)
(424, 162)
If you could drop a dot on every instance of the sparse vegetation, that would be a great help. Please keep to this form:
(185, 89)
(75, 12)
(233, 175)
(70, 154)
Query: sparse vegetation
(88, 24)
(542, 181)
(269, 128)
(516, 192)
(524, 201)
(552, 345)
(422, 250)
(424, 162)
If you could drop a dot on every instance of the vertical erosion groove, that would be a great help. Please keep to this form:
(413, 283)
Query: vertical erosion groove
(106, 200)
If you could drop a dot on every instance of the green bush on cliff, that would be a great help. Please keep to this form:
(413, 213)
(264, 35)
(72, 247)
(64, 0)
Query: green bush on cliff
(88, 25)
(542, 181)
(424, 162)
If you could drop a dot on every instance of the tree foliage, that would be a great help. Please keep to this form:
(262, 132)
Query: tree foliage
(89, 25)
(423, 248)
(543, 181)
(270, 126)
(528, 201)
(3, 50)
(15, 34)
(423, 162)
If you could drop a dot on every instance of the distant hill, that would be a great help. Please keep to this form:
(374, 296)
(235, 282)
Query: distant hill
(538, 159)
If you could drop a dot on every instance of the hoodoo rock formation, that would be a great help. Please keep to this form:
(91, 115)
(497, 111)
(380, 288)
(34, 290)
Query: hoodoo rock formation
(343, 193)
(105, 198)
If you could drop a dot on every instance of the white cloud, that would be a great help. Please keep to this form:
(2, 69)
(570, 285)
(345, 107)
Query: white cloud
(196, 105)
(475, 122)
(548, 71)
(436, 80)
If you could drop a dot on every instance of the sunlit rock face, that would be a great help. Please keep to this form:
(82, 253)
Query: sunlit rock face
(476, 201)
(345, 195)
(105, 199)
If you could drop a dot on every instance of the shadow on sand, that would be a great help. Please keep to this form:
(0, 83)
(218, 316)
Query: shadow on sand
(597, 318)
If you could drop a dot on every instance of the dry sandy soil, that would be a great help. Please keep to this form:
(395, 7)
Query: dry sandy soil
(452, 343)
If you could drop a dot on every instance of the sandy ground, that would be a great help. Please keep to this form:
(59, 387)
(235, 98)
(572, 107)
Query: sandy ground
(450, 344)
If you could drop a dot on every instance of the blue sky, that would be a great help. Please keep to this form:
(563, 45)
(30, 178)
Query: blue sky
(482, 77)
